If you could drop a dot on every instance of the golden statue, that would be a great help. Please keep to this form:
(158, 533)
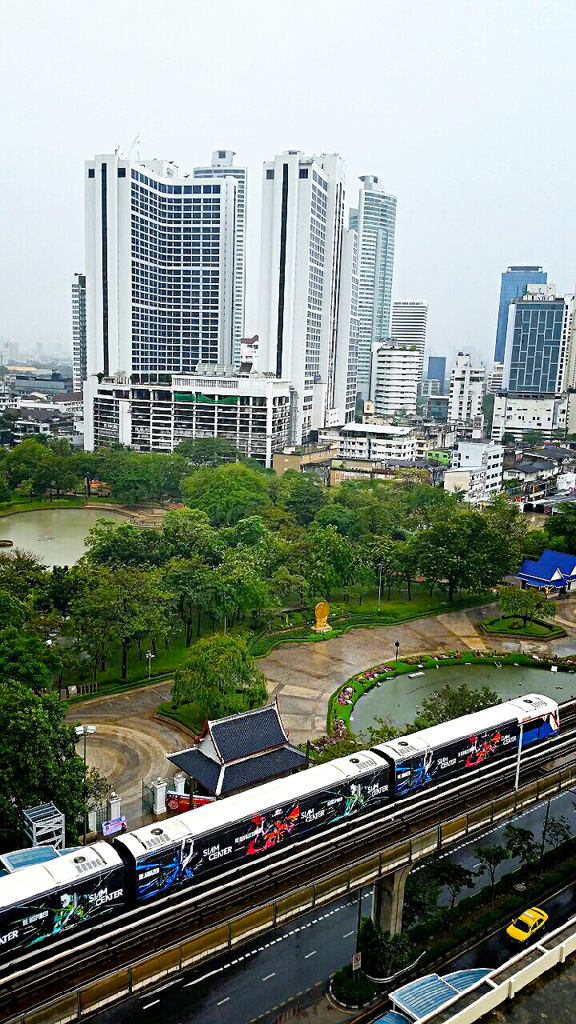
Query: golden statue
(321, 612)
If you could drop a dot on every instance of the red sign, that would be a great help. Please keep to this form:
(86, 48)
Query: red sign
(356, 961)
(177, 802)
(200, 801)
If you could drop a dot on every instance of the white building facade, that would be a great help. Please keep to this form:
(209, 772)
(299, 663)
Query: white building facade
(221, 166)
(467, 389)
(159, 267)
(495, 379)
(409, 323)
(521, 414)
(302, 335)
(375, 221)
(396, 370)
(373, 441)
(79, 372)
(251, 411)
(477, 469)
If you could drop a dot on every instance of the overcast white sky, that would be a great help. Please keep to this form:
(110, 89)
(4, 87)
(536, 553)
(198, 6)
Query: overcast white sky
(465, 108)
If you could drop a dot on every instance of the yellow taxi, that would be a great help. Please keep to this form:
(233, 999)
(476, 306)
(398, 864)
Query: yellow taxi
(525, 926)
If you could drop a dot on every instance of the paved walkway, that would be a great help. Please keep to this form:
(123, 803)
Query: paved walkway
(304, 676)
(129, 743)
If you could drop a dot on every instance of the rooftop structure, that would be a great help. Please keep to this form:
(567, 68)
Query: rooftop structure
(240, 751)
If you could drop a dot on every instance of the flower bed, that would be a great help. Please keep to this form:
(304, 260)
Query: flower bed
(342, 701)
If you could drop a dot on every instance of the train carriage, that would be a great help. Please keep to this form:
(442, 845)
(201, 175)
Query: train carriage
(53, 898)
(455, 748)
(241, 828)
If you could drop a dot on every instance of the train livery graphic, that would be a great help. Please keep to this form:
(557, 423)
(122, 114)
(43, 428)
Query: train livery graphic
(45, 901)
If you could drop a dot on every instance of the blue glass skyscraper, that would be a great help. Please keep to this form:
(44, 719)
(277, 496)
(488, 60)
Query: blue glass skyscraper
(514, 280)
(437, 370)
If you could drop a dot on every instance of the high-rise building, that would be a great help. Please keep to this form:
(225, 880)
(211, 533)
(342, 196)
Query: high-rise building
(394, 378)
(537, 337)
(409, 320)
(514, 281)
(437, 371)
(305, 269)
(223, 165)
(160, 271)
(375, 221)
(467, 388)
(495, 380)
(78, 330)
(159, 267)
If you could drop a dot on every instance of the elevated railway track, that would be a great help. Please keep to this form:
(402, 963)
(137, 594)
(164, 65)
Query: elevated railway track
(72, 977)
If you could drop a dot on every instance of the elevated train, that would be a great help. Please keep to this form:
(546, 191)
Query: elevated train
(45, 901)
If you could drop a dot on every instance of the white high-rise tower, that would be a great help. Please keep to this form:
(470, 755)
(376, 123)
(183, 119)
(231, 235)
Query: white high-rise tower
(160, 270)
(308, 315)
(78, 330)
(223, 165)
(375, 221)
(409, 321)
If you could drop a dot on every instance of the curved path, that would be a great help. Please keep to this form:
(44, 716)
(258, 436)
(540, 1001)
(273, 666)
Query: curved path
(304, 676)
(129, 743)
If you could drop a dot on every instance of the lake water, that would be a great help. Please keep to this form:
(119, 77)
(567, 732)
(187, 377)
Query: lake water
(397, 700)
(56, 534)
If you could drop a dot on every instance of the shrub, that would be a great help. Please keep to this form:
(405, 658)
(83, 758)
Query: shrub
(351, 991)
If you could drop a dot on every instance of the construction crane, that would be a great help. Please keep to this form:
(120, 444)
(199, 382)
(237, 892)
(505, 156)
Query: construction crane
(127, 154)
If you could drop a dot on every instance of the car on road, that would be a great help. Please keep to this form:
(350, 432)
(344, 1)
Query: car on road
(525, 926)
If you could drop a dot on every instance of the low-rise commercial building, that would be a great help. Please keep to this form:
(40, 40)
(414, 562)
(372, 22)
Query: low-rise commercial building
(477, 470)
(155, 412)
(373, 441)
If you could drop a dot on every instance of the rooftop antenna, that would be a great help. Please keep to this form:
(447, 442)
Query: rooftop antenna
(127, 154)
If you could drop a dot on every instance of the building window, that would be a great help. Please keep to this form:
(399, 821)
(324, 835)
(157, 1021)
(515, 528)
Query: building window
(91, 172)
(121, 172)
(303, 172)
(270, 175)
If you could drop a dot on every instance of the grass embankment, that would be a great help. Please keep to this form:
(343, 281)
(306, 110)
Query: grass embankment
(10, 507)
(512, 626)
(190, 715)
(338, 718)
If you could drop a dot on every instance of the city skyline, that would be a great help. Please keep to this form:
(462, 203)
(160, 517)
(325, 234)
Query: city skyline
(462, 210)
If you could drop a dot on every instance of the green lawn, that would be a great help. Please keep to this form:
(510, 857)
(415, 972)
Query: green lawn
(399, 606)
(532, 630)
(22, 505)
(190, 715)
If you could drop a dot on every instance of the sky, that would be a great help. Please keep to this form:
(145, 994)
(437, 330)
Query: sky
(464, 108)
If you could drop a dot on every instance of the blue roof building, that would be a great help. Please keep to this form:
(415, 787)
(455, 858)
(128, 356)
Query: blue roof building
(554, 572)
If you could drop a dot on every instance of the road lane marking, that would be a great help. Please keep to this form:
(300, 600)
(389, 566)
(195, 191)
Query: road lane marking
(148, 1005)
(348, 934)
(308, 955)
(204, 977)
(268, 976)
(222, 1001)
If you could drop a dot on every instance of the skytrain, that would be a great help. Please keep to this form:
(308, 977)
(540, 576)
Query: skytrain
(45, 901)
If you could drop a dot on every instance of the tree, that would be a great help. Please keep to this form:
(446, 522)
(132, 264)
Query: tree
(110, 544)
(521, 845)
(303, 495)
(382, 554)
(221, 676)
(38, 762)
(533, 438)
(187, 532)
(465, 550)
(562, 525)
(525, 604)
(189, 581)
(420, 898)
(228, 493)
(557, 832)
(383, 954)
(12, 611)
(208, 451)
(453, 702)
(450, 875)
(506, 519)
(490, 858)
(333, 514)
(25, 658)
(508, 438)
(23, 575)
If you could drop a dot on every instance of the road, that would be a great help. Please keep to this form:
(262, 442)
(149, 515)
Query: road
(290, 966)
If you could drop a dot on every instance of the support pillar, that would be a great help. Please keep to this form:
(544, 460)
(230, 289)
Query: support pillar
(159, 789)
(388, 900)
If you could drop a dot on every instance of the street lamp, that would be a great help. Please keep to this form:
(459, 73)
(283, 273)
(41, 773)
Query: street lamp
(149, 657)
(397, 646)
(380, 568)
(85, 730)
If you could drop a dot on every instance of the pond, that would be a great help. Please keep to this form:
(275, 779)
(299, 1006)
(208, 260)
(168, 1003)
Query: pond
(55, 534)
(396, 700)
